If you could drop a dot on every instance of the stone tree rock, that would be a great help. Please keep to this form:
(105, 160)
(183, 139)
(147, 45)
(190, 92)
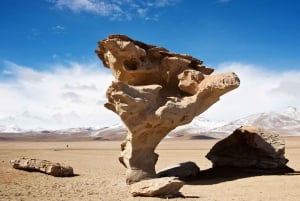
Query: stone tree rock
(154, 92)
(249, 147)
(48, 167)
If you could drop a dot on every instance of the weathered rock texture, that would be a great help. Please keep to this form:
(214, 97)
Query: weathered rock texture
(249, 147)
(166, 186)
(48, 167)
(154, 92)
(183, 171)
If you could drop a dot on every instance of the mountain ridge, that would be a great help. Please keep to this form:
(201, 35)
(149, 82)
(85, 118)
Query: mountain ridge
(285, 122)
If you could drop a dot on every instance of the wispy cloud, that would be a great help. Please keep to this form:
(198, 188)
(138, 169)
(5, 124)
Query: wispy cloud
(79, 86)
(116, 9)
(54, 56)
(58, 29)
(161, 3)
(97, 7)
(69, 95)
(261, 90)
(33, 34)
(223, 1)
(7, 72)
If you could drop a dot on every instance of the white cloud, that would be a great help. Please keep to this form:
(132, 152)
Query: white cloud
(142, 12)
(115, 9)
(58, 27)
(70, 95)
(162, 3)
(223, 1)
(33, 34)
(73, 94)
(7, 72)
(79, 86)
(261, 90)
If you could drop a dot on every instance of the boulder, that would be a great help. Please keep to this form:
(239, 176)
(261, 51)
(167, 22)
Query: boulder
(155, 91)
(249, 147)
(158, 187)
(48, 167)
(183, 171)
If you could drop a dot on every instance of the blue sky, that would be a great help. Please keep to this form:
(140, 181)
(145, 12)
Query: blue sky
(47, 40)
(265, 32)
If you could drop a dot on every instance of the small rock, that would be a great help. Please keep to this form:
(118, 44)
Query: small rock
(158, 187)
(182, 171)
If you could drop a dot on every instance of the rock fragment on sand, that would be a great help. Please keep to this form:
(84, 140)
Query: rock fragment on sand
(47, 167)
(183, 171)
(249, 147)
(159, 187)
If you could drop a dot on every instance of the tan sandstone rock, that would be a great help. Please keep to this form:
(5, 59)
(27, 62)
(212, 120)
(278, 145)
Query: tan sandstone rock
(155, 91)
(166, 186)
(250, 147)
(48, 167)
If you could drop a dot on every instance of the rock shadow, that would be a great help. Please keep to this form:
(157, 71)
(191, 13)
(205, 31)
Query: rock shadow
(37, 171)
(224, 174)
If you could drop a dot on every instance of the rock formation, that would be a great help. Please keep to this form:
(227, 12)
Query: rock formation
(249, 147)
(48, 167)
(155, 91)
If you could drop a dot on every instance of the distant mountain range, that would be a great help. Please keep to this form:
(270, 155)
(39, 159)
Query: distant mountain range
(285, 122)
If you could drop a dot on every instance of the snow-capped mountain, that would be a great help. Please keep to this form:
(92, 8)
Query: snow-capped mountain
(197, 126)
(291, 112)
(115, 132)
(76, 130)
(286, 122)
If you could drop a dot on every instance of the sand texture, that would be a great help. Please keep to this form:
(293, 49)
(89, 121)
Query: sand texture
(101, 177)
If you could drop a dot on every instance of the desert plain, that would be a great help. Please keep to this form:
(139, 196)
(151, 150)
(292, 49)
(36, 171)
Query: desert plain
(100, 176)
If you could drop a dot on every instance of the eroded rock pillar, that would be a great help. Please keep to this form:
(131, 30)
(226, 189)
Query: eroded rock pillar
(155, 91)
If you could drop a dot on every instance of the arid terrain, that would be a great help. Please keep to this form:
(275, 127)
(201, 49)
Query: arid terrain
(101, 177)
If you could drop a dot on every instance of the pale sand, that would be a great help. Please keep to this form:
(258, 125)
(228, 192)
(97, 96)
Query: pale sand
(101, 176)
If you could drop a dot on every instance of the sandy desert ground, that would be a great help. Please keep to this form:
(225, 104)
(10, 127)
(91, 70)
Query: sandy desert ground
(101, 177)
